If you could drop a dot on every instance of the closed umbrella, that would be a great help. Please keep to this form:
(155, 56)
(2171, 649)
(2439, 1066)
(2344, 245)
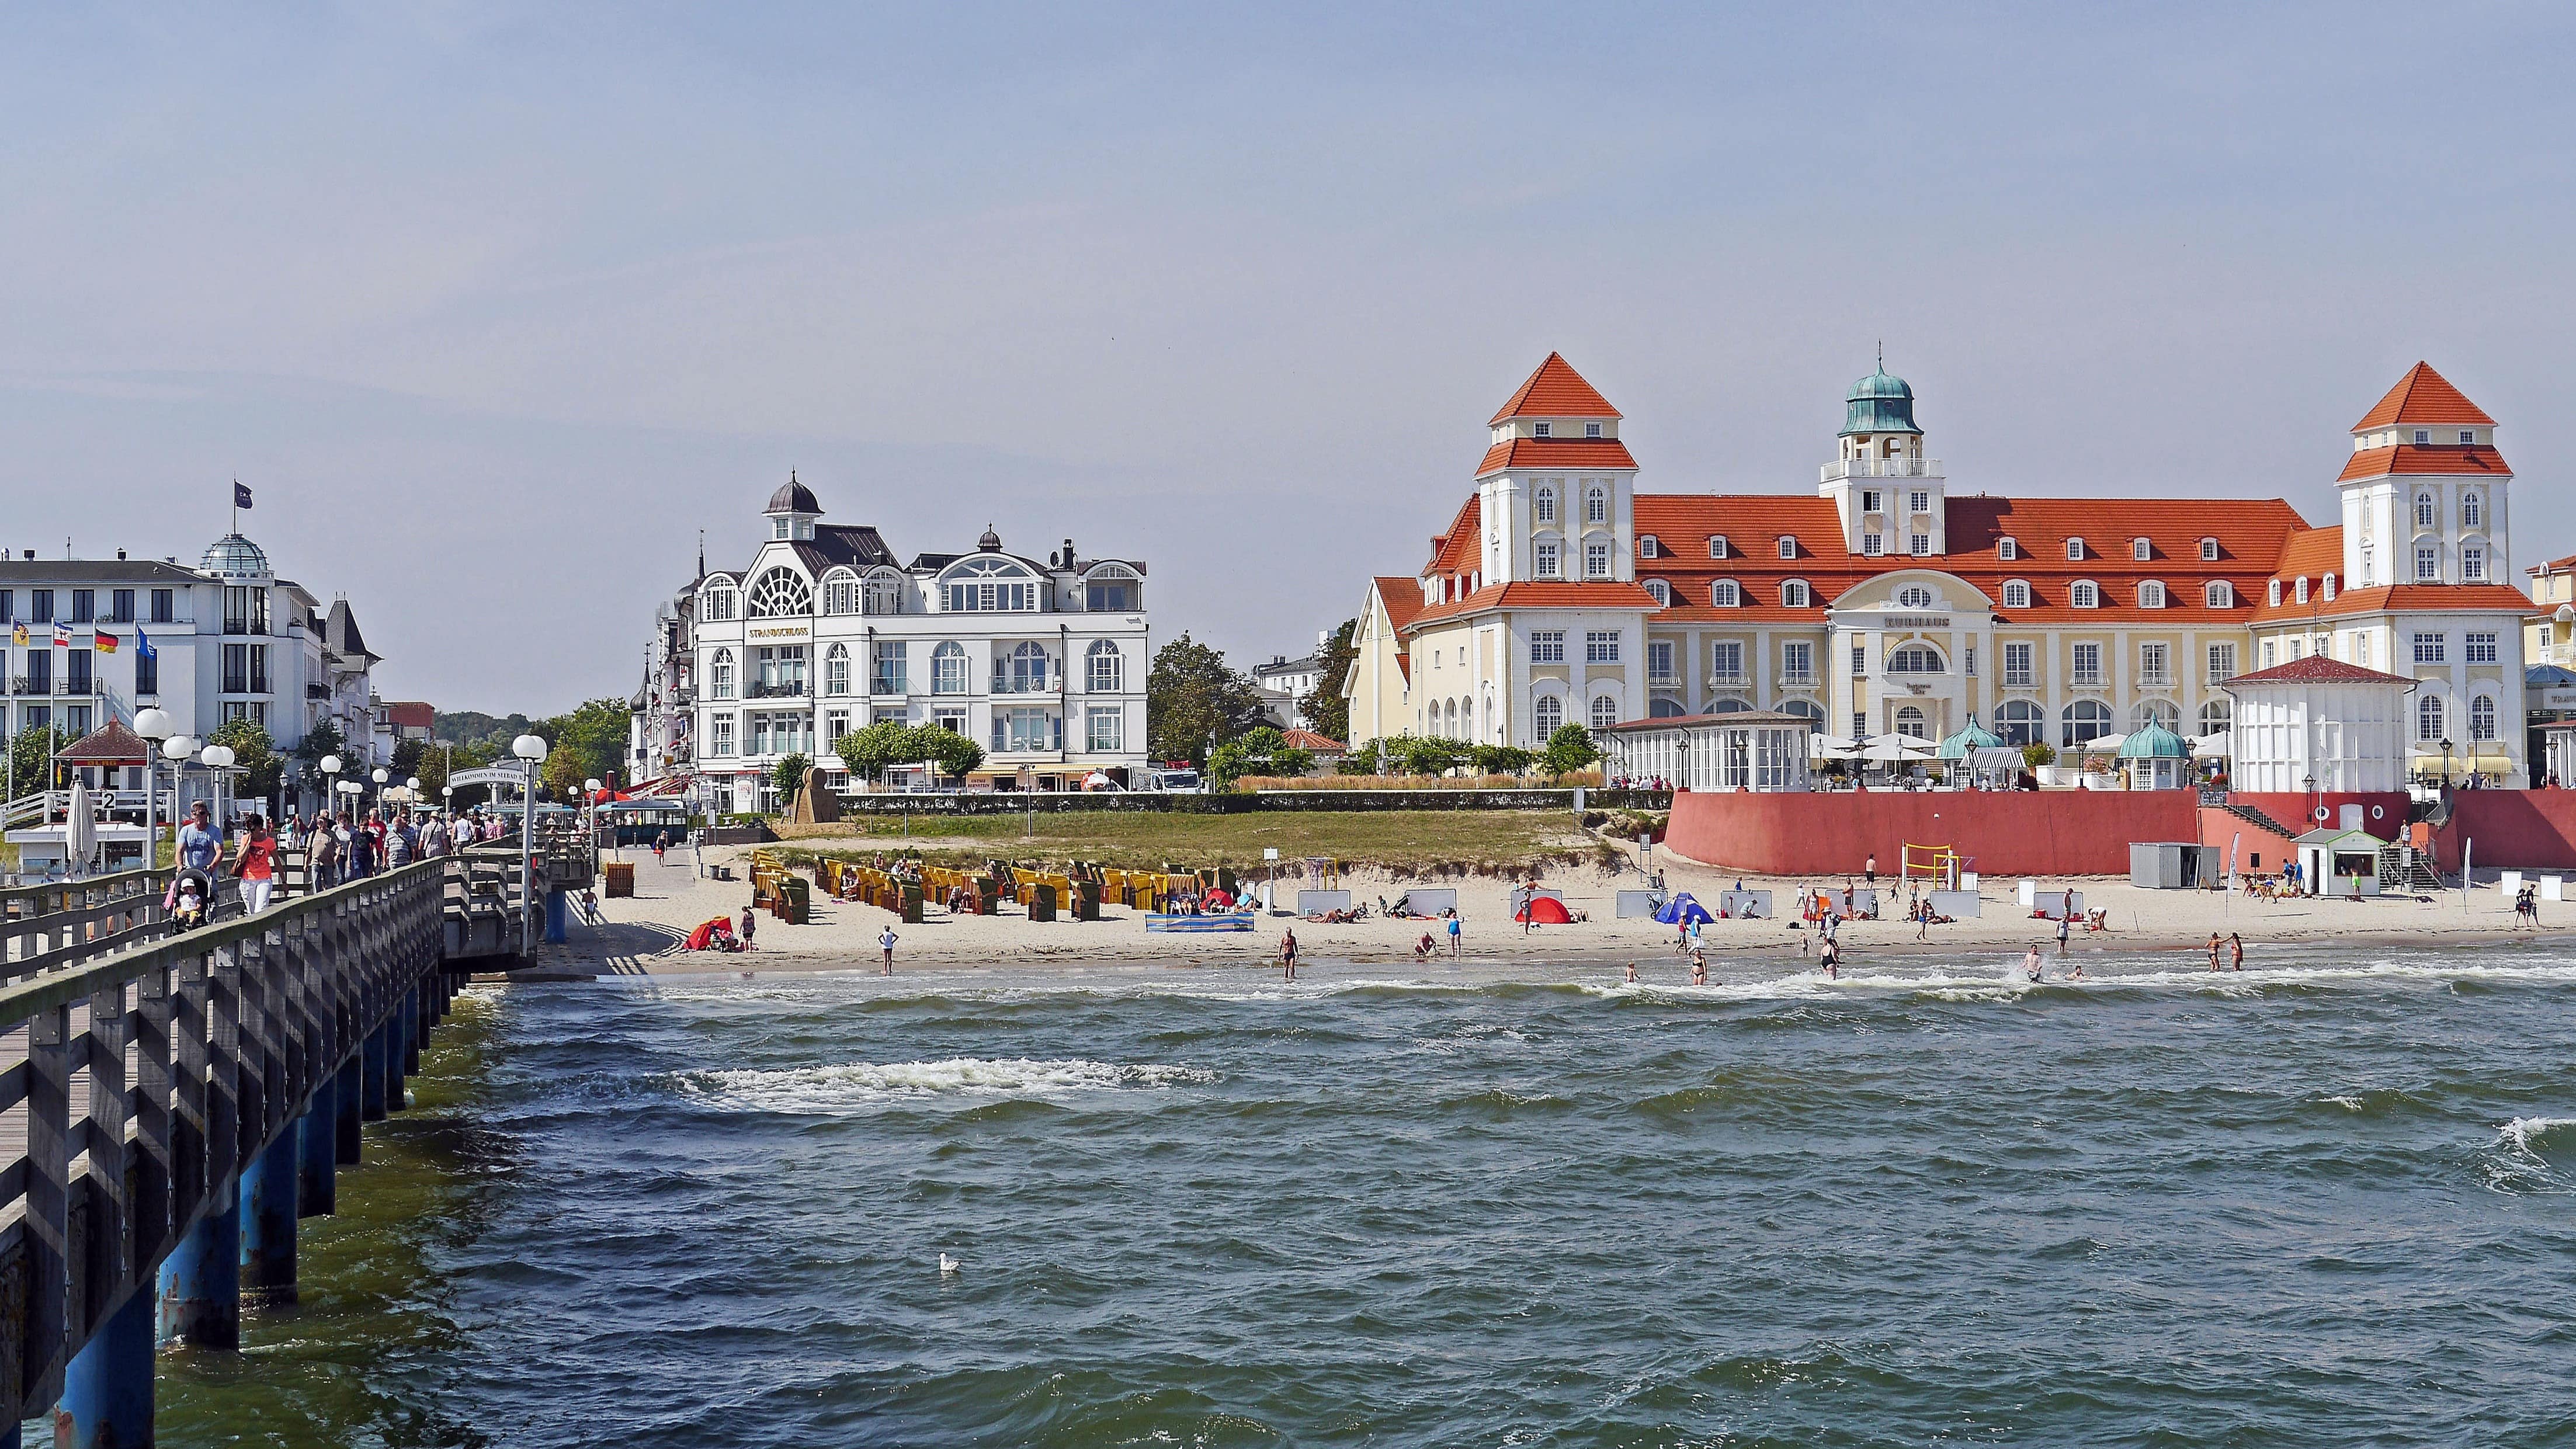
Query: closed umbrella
(80, 831)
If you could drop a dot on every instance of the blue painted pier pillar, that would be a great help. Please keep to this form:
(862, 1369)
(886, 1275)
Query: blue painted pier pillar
(346, 1099)
(414, 1001)
(268, 1192)
(201, 1279)
(317, 1190)
(107, 1387)
(371, 1074)
(558, 915)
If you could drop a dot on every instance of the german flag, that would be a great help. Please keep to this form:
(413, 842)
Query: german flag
(102, 641)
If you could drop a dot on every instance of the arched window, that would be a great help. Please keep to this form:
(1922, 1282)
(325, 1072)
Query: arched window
(2330, 588)
(2272, 593)
(2151, 595)
(2217, 717)
(2473, 514)
(1605, 711)
(1596, 504)
(840, 592)
(1910, 723)
(948, 668)
(717, 605)
(2158, 712)
(2017, 594)
(2428, 718)
(1547, 716)
(2482, 717)
(1914, 596)
(1805, 709)
(1543, 504)
(1027, 672)
(2007, 548)
(2218, 594)
(780, 594)
(1916, 659)
(836, 669)
(1104, 668)
(1648, 546)
(2021, 722)
(2086, 720)
(2424, 510)
(1794, 594)
(884, 594)
(989, 584)
(1662, 591)
(1664, 706)
(1117, 589)
(1725, 595)
(1717, 545)
(2083, 595)
(721, 676)
(1728, 705)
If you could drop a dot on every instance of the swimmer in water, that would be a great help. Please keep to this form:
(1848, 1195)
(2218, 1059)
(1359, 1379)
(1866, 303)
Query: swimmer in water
(1632, 971)
(1699, 971)
(2030, 966)
(1831, 958)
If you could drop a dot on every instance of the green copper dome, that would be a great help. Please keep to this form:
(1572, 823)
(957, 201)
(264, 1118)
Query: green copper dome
(2154, 742)
(1879, 403)
(1974, 737)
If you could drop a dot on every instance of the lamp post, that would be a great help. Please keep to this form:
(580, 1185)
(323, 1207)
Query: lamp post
(381, 776)
(530, 749)
(217, 759)
(331, 765)
(590, 807)
(154, 725)
(2446, 763)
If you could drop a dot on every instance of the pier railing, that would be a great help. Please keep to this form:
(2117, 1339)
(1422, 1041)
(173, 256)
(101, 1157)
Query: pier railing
(139, 1089)
(60, 922)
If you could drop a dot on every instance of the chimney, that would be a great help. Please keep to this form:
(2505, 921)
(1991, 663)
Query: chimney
(1068, 553)
(120, 555)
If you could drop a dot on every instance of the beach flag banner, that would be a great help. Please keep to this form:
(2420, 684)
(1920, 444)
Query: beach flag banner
(143, 644)
(102, 641)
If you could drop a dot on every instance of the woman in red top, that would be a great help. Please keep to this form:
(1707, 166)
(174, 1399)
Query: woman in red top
(257, 867)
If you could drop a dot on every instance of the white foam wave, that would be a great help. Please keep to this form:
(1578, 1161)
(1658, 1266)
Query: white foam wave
(843, 1087)
(2520, 1133)
(2349, 1104)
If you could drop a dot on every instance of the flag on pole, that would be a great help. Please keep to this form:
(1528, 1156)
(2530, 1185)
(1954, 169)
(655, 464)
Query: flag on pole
(62, 636)
(143, 644)
(18, 635)
(241, 494)
(102, 641)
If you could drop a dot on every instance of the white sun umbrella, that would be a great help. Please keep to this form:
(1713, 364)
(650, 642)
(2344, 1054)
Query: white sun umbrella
(2102, 745)
(1829, 747)
(1896, 750)
(2211, 747)
(80, 831)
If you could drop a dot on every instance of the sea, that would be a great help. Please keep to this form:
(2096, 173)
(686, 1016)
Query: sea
(2329, 1201)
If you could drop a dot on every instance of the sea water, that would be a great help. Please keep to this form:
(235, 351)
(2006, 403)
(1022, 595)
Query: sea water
(2329, 1202)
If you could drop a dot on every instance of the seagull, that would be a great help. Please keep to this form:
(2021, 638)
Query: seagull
(948, 1265)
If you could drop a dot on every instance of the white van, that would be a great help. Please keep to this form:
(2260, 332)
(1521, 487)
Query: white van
(1175, 782)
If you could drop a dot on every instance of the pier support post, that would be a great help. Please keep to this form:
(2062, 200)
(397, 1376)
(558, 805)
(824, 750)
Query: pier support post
(346, 1101)
(201, 1279)
(107, 1389)
(317, 1190)
(268, 1191)
(558, 916)
(414, 1026)
(371, 1074)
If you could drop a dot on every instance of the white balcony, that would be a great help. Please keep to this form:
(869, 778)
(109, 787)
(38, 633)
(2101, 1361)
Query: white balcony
(1842, 468)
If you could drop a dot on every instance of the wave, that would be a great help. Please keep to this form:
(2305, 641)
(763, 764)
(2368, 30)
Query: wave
(2524, 1133)
(844, 1087)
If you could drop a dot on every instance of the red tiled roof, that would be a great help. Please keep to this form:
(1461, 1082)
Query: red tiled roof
(2402, 598)
(418, 713)
(110, 744)
(1568, 453)
(1454, 550)
(2423, 396)
(1556, 390)
(2556, 565)
(2316, 669)
(2315, 552)
(2431, 458)
(1310, 741)
(1401, 597)
(1598, 595)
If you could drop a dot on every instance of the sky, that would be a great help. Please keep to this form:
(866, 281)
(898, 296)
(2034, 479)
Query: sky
(496, 308)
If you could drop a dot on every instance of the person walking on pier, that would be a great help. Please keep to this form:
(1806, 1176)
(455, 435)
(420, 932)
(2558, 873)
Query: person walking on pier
(257, 867)
(200, 845)
(885, 943)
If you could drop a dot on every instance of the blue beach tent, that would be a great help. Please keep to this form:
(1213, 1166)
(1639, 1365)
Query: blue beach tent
(1682, 910)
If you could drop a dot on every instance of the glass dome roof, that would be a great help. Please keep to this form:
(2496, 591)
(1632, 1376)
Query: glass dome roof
(235, 557)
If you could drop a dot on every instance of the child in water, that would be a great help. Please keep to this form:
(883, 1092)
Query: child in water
(2030, 962)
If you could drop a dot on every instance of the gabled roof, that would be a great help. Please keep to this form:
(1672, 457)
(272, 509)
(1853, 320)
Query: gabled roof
(2314, 552)
(2403, 599)
(1454, 551)
(1556, 390)
(340, 632)
(842, 543)
(416, 713)
(1310, 741)
(2423, 396)
(1555, 453)
(110, 744)
(2317, 669)
(2411, 458)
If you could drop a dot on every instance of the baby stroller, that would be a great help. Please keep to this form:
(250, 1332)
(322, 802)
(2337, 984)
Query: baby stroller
(190, 899)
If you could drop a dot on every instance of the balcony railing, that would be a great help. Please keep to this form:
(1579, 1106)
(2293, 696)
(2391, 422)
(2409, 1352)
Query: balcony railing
(1881, 468)
(2086, 678)
(1797, 679)
(2155, 679)
(1663, 679)
(1003, 684)
(1726, 679)
(2018, 679)
(775, 689)
(889, 684)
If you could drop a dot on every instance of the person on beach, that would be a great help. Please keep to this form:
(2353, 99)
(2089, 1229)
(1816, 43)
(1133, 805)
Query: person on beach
(1423, 948)
(2236, 948)
(885, 943)
(1457, 931)
(1869, 871)
(2030, 966)
(1923, 920)
(2213, 950)
(2065, 922)
(1699, 968)
(749, 922)
(1288, 953)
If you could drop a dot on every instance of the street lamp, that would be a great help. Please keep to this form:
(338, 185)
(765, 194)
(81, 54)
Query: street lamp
(590, 804)
(2446, 763)
(217, 758)
(381, 776)
(531, 749)
(154, 725)
(331, 784)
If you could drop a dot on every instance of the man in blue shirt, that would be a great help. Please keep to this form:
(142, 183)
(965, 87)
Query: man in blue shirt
(200, 844)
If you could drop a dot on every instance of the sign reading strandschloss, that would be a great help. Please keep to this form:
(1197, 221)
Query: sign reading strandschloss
(1915, 621)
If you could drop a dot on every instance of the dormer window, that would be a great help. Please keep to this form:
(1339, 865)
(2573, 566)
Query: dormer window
(1662, 591)
(1788, 545)
(2007, 549)
(2218, 595)
(2151, 595)
(1647, 546)
(2017, 594)
(2330, 588)
(2141, 550)
(2272, 594)
(1793, 594)
(2075, 550)
(1725, 595)
(2467, 437)
(2299, 590)
(1592, 430)
(1717, 546)
(1541, 430)
(2423, 436)
(2209, 550)
(2082, 594)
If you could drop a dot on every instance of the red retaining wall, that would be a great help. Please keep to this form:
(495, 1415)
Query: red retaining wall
(2258, 849)
(2051, 832)
(2298, 811)
(2529, 829)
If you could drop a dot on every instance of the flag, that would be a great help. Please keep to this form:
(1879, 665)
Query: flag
(18, 636)
(102, 641)
(143, 644)
(62, 636)
(241, 495)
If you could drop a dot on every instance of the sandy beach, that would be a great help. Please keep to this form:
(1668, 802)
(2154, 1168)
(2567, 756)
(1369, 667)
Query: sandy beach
(645, 934)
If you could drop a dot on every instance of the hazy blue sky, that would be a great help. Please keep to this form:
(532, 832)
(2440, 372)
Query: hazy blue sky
(496, 307)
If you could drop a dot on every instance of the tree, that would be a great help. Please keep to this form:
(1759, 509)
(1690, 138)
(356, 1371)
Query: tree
(1260, 752)
(870, 752)
(954, 754)
(2038, 753)
(1193, 702)
(562, 774)
(1568, 750)
(594, 733)
(1325, 711)
(254, 755)
(1361, 760)
(788, 776)
(1415, 755)
(1503, 759)
(31, 751)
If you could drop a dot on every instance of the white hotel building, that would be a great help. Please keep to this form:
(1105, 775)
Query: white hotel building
(1041, 662)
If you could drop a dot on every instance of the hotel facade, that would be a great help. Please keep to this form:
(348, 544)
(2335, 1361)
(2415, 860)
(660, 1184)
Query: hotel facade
(1042, 662)
(1884, 603)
